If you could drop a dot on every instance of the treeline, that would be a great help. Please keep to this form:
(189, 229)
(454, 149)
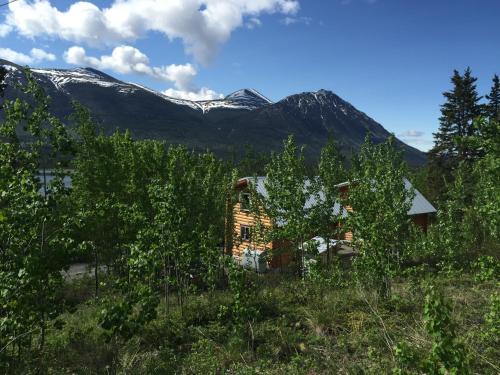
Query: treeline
(155, 222)
(467, 119)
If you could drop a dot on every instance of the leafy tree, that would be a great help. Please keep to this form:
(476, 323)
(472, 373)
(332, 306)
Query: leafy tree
(176, 245)
(288, 192)
(379, 220)
(34, 228)
(450, 238)
(487, 177)
(94, 185)
(493, 105)
(327, 213)
(259, 232)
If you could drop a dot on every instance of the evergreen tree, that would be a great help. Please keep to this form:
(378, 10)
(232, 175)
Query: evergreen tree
(457, 121)
(493, 106)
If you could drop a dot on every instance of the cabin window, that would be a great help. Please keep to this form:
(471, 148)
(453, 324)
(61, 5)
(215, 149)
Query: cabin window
(245, 201)
(245, 233)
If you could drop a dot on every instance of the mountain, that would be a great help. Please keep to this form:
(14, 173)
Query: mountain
(226, 126)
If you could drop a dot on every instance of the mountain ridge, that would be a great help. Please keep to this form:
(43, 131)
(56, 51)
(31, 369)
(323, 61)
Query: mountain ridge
(226, 126)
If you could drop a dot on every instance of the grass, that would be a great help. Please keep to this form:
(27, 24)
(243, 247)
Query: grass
(299, 328)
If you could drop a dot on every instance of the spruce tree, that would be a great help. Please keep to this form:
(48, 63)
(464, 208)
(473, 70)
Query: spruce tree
(452, 140)
(493, 106)
(457, 121)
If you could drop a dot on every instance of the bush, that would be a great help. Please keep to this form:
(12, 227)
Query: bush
(486, 268)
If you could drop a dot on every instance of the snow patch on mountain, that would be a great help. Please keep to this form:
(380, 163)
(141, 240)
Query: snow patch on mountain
(245, 99)
(10, 68)
(60, 78)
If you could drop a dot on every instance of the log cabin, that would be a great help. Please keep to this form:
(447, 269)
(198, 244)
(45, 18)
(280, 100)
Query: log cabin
(245, 247)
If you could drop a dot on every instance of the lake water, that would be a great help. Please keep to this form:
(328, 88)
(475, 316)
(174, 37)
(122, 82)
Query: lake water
(49, 176)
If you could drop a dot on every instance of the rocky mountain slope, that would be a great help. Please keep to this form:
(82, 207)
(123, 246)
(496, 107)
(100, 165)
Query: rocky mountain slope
(227, 126)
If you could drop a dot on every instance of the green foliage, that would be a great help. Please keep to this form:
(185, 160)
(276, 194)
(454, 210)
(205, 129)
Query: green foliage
(288, 193)
(448, 355)
(493, 106)
(203, 359)
(179, 246)
(450, 239)
(35, 235)
(326, 220)
(457, 120)
(458, 114)
(172, 302)
(406, 359)
(379, 219)
(491, 330)
(487, 268)
(487, 174)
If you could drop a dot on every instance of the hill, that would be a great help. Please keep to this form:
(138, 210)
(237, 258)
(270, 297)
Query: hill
(227, 126)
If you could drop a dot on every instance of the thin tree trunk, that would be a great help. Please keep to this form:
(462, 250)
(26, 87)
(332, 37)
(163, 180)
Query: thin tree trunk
(96, 273)
(165, 284)
(327, 251)
(44, 182)
(42, 332)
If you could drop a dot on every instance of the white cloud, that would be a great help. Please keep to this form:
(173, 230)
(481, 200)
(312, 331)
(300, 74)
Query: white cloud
(202, 94)
(420, 143)
(127, 59)
(202, 25)
(253, 22)
(36, 55)
(5, 30)
(14, 56)
(417, 139)
(293, 20)
(411, 134)
(40, 55)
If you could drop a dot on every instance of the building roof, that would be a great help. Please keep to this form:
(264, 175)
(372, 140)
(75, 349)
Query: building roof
(311, 201)
(420, 205)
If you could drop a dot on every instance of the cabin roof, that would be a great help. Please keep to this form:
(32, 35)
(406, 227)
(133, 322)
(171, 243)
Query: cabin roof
(311, 201)
(420, 205)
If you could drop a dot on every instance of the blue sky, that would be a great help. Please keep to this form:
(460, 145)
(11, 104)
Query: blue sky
(390, 58)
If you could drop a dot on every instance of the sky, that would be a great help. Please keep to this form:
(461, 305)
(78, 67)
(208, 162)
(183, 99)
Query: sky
(391, 59)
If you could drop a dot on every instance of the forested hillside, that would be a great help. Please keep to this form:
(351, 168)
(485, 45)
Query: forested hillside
(242, 120)
(163, 296)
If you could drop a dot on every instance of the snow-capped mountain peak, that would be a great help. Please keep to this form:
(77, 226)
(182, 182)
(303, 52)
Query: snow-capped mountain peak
(62, 79)
(249, 96)
(244, 117)
(244, 99)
